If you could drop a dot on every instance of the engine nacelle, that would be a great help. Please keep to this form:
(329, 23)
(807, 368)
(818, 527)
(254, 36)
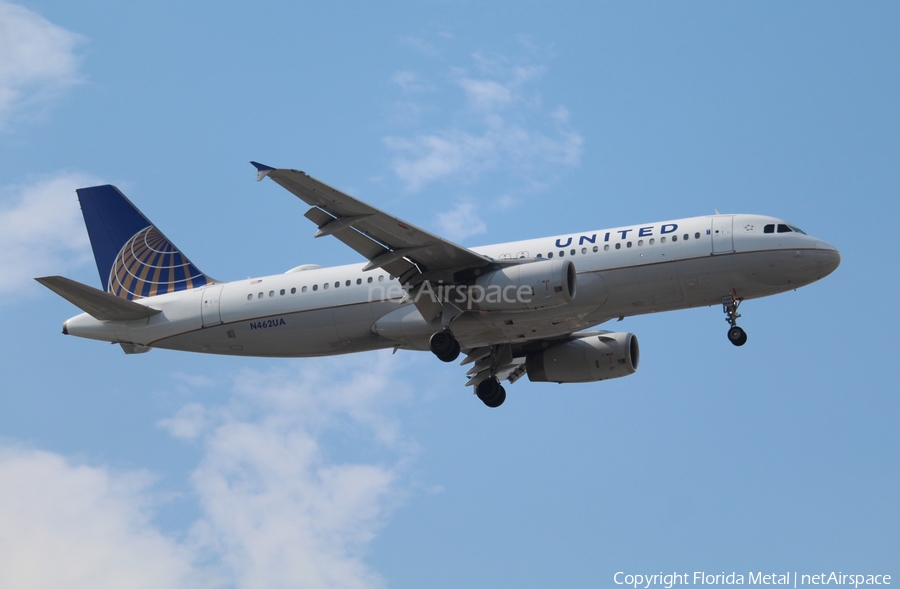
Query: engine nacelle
(524, 287)
(587, 359)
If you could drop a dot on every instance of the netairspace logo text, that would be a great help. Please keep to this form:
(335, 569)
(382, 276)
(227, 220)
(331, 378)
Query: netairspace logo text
(788, 579)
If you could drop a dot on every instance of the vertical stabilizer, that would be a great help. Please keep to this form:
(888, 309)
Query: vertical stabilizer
(134, 258)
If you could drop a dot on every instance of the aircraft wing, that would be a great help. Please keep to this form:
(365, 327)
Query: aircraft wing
(401, 248)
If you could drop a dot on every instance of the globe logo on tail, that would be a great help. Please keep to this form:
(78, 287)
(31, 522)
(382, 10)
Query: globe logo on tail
(149, 264)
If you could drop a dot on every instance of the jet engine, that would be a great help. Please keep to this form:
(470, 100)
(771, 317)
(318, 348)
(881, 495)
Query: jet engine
(524, 287)
(586, 359)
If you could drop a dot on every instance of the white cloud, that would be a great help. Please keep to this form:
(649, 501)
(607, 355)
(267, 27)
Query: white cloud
(421, 46)
(560, 115)
(72, 525)
(37, 60)
(504, 203)
(428, 157)
(486, 94)
(41, 230)
(277, 510)
(461, 222)
(284, 501)
(188, 423)
(188, 382)
(411, 81)
(500, 125)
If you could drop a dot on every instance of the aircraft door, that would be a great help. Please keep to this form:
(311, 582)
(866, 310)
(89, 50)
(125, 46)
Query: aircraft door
(722, 235)
(209, 311)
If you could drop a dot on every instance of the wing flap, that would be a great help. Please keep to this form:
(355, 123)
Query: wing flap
(96, 303)
(369, 248)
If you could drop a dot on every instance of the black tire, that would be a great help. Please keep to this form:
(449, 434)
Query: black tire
(498, 399)
(491, 392)
(452, 355)
(737, 336)
(444, 346)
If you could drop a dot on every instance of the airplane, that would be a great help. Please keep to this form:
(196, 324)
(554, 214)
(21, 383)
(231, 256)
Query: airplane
(525, 307)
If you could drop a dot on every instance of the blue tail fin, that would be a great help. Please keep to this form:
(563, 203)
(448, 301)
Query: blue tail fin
(134, 258)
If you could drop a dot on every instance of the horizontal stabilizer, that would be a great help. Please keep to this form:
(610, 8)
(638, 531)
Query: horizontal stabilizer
(96, 303)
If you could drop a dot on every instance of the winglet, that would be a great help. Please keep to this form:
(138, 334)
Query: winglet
(262, 170)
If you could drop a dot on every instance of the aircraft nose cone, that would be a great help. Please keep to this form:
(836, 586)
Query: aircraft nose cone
(827, 259)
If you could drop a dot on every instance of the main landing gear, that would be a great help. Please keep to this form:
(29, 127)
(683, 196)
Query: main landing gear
(491, 392)
(444, 346)
(736, 335)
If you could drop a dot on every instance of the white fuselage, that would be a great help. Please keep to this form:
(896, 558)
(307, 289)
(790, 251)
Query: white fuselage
(620, 272)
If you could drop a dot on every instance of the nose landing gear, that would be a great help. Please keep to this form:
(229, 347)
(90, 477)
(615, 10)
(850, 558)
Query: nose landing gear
(730, 305)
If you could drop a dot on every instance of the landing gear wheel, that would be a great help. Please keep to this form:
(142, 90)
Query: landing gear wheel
(444, 346)
(730, 305)
(737, 336)
(491, 392)
(498, 400)
(453, 354)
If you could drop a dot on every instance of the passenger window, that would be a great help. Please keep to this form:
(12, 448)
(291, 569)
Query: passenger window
(652, 241)
(674, 238)
(628, 244)
(259, 296)
(315, 287)
(303, 289)
(347, 283)
(662, 240)
(640, 242)
(697, 235)
(769, 229)
(549, 254)
(381, 278)
(250, 297)
(282, 292)
(337, 284)
(618, 246)
(369, 280)
(596, 249)
(325, 286)
(562, 253)
(294, 290)
(686, 237)
(271, 293)
(606, 247)
(540, 255)
(572, 252)
(584, 250)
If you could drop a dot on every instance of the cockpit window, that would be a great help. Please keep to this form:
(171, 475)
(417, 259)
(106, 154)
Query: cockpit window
(782, 228)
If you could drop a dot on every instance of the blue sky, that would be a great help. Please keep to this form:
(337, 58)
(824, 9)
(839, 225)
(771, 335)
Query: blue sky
(483, 123)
